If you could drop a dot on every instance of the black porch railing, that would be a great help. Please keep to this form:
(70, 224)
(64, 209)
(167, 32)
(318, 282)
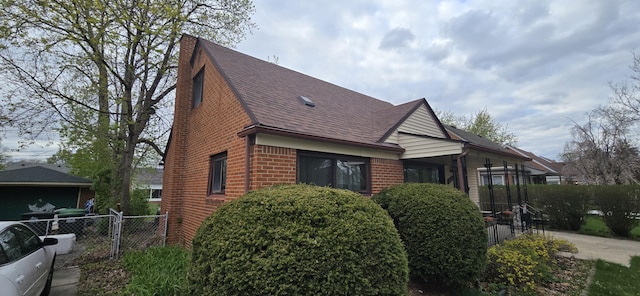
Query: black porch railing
(505, 219)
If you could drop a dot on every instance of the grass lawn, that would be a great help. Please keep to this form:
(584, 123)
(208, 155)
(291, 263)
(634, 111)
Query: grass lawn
(615, 279)
(594, 225)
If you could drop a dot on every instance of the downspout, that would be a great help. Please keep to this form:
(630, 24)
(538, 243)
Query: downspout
(247, 163)
(461, 184)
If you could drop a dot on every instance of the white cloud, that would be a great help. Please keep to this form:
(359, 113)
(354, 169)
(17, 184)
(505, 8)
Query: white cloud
(534, 64)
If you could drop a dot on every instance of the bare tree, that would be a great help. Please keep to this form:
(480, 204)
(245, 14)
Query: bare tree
(604, 149)
(600, 153)
(102, 72)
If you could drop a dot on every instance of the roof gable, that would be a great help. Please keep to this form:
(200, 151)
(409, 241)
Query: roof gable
(39, 175)
(423, 122)
(416, 118)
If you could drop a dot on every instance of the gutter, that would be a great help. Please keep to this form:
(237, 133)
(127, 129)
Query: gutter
(247, 163)
(49, 184)
(497, 152)
(255, 129)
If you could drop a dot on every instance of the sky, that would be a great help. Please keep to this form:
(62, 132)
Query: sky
(536, 66)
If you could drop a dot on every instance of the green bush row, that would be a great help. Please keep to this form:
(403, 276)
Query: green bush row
(567, 205)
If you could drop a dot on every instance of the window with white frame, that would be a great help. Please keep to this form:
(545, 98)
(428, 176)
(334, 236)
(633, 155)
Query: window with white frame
(497, 180)
(217, 174)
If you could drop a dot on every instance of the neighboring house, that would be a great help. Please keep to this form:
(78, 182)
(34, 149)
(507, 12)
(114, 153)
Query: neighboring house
(478, 151)
(150, 180)
(37, 187)
(26, 164)
(542, 170)
(241, 123)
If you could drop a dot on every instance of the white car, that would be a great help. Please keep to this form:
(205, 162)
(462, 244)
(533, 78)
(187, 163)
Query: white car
(26, 261)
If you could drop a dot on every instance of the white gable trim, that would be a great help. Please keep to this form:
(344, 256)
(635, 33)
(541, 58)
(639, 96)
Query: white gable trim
(422, 147)
(302, 144)
(420, 122)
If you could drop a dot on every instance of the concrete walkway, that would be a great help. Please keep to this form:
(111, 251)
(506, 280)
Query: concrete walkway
(594, 247)
(65, 281)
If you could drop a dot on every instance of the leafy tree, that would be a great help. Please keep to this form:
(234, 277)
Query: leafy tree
(480, 123)
(102, 73)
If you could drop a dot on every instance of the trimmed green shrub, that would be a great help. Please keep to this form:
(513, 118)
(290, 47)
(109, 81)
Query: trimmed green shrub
(524, 262)
(442, 230)
(620, 205)
(298, 240)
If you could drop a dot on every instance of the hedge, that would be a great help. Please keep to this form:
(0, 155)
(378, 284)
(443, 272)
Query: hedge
(298, 240)
(443, 232)
(567, 205)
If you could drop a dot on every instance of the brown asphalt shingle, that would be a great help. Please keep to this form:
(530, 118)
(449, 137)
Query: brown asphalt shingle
(270, 92)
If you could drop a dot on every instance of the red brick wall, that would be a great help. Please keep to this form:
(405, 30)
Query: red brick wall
(174, 166)
(384, 173)
(197, 134)
(272, 165)
(211, 128)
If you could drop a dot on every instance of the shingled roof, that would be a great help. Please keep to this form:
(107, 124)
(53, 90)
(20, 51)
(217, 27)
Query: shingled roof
(38, 175)
(271, 96)
(478, 142)
(541, 163)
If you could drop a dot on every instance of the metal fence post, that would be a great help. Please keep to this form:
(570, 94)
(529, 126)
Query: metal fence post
(166, 225)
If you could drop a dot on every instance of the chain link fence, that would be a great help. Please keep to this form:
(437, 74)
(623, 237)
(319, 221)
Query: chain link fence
(103, 237)
(141, 232)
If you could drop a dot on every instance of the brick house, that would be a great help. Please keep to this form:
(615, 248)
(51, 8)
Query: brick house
(241, 123)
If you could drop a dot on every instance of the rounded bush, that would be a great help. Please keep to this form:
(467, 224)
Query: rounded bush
(298, 240)
(442, 230)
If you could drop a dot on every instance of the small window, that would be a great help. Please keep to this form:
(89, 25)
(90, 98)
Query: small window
(497, 180)
(218, 174)
(338, 171)
(156, 193)
(198, 86)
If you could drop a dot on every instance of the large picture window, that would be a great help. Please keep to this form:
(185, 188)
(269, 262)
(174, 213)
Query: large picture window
(198, 86)
(338, 171)
(415, 172)
(217, 173)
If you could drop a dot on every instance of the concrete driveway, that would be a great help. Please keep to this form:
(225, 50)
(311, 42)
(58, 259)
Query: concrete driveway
(65, 281)
(594, 247)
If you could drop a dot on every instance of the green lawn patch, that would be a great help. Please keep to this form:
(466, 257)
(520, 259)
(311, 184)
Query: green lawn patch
(594, 225)
(635, 233)
(615, 279)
